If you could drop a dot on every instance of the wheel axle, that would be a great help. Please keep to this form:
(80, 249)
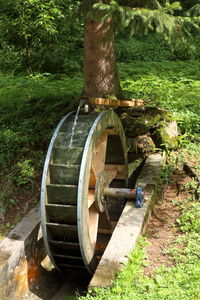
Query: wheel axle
(120, 193)
(134, 194)
(102, 190)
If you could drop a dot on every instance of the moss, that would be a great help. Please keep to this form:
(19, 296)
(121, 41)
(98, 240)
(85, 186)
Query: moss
(144, 123)
(153, 122)
(141, 144)
(133, 126)
(132, 166)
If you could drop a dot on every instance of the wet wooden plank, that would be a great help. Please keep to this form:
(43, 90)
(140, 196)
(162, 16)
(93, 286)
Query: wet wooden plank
(62, 194)
(63, 231)
(63, 174)
(120, 169)
(64, 246)
(64, 139)
(66, 155)
(65, 214)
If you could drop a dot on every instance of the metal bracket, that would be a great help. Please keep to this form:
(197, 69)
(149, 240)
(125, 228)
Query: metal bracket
(139, 197)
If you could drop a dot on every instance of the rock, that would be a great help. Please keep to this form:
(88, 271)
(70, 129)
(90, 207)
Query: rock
(166, 135)
(148, 129)
(141, 144)
(144, 122)
(172, 129)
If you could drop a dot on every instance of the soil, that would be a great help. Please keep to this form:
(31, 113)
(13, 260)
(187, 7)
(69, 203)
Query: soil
(162, 230)
(25, 199)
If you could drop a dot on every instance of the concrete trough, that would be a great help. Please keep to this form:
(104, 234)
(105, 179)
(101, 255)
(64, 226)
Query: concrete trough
(21, 253)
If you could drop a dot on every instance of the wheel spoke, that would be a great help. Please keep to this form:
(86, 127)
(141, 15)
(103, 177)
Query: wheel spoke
(91, 197)
(93, 224)
(104, 221)
(92, 179)
(99, 155)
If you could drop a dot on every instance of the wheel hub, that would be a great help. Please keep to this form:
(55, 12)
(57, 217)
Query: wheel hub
(101, 183)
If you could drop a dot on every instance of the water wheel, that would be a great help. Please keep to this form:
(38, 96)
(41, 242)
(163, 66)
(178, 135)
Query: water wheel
(77, 221)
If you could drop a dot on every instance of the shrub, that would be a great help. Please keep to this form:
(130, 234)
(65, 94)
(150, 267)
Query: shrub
(153, 47)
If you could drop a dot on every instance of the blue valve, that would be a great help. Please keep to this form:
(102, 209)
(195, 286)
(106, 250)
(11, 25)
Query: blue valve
(139, 197)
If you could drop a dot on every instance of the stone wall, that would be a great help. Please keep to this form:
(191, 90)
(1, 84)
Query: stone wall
(147, 130)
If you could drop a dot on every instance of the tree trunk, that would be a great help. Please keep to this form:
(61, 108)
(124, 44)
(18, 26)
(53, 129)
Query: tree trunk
(100, 69)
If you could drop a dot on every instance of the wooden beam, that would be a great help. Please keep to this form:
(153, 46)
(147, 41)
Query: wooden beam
(112, 102)
(121, 170)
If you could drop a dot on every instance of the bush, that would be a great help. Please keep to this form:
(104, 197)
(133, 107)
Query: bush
(10, 60)
(30, 108)
(153, 48)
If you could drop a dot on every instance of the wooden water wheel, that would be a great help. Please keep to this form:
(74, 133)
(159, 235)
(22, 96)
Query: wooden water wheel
(77, 219)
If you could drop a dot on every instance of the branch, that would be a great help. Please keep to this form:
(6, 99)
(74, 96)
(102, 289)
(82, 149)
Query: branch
(140, 21)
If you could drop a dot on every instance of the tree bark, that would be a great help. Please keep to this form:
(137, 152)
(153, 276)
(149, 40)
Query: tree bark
(100, 69)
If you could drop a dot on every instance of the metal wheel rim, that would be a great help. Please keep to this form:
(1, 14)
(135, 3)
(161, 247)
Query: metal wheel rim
(43, 186)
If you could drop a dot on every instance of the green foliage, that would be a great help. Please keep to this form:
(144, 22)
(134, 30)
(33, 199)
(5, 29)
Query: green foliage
(159, 18)
(40, 35)
(170, 85)
(194, 11)
(150, 48)
(30, 108)
(190, 153)
(143, 20)
(153, 47)
(167, 170)
(191, 186)
(127, 279)
(24, 111)
(25, 171)
(47, 36)
(190, 219)
(177, 283)
(186, 5)
(175, 30)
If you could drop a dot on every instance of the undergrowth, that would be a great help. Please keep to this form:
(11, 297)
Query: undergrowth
(170, 85)
(30, 108)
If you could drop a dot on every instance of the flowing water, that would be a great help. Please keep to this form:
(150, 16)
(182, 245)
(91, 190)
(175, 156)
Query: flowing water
(74, 125)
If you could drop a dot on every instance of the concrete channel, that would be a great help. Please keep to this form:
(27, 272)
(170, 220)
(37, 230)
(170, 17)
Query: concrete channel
(26, 272)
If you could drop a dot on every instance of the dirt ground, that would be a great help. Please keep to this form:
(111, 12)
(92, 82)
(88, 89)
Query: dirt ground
(162, 229)
(24, 200)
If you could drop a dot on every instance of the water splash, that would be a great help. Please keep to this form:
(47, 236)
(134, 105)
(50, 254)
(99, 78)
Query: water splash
(74, 125)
